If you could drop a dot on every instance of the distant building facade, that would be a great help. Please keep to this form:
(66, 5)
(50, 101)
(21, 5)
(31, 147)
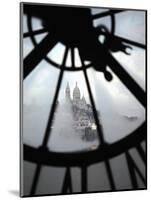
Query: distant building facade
(82, 112)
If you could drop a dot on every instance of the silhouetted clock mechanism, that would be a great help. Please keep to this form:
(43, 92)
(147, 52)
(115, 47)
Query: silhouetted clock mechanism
(74, 28)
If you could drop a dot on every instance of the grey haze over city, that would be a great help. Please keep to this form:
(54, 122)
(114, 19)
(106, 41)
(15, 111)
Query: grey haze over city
(114, 102)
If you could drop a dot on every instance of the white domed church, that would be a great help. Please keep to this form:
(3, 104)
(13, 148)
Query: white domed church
(82, 112)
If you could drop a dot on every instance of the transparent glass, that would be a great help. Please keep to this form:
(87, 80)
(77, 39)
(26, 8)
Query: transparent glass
(73, 119)
(120, 112)
(38, 91)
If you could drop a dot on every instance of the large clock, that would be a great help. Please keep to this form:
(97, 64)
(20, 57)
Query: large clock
(104, 51)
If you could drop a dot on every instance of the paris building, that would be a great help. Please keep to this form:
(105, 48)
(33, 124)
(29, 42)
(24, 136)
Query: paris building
(82, 113)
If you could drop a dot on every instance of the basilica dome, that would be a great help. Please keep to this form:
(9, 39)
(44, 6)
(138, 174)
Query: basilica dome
(76, 93)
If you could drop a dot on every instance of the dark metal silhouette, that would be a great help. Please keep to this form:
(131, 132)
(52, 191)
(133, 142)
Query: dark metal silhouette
(108, 151)
(133, 168)
(74, 28)
(67, 184)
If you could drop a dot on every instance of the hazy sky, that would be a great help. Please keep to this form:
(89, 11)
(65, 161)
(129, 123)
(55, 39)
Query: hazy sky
(113, 100)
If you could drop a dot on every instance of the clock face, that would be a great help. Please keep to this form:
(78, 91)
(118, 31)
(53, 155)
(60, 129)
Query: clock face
(84, 99)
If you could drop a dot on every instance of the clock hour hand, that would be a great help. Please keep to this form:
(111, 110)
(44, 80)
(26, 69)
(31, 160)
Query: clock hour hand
(112, 42)
(94, 51)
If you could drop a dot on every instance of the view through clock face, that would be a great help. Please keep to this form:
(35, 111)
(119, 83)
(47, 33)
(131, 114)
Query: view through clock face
(84, 99)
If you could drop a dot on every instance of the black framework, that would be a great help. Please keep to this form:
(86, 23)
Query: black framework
(85, 38)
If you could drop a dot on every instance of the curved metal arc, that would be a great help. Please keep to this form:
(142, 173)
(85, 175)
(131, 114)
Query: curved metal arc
(48, 128)
(99, 129)
(50, 61)
(45, 157)
(29, 23)
(70, 161)
(37, 54)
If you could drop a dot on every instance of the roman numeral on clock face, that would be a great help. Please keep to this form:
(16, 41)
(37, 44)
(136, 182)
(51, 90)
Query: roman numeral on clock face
(133, 166)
